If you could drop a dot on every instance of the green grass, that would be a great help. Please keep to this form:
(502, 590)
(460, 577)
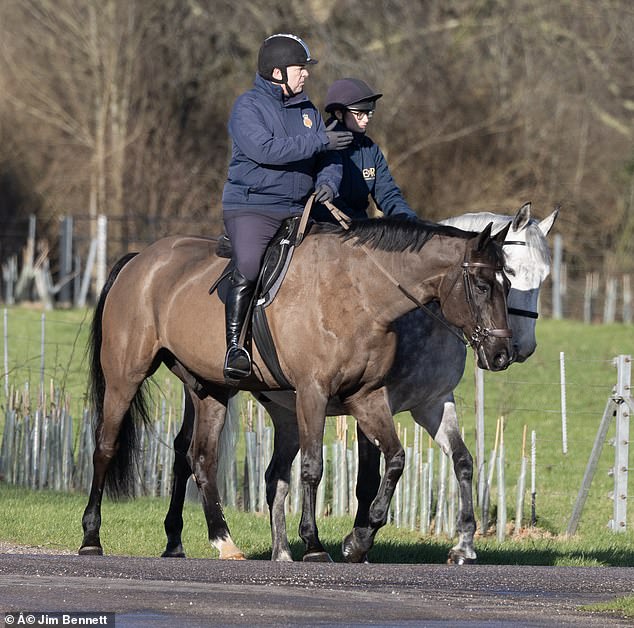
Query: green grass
(65, 368)
(65, 340)
(530, 394)
(621, 607)
(526, 395)
(135, 528)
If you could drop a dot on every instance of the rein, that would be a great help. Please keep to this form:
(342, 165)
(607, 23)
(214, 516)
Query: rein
(480, 333)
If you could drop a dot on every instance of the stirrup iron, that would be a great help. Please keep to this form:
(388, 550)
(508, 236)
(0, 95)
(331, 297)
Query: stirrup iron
(237, 363)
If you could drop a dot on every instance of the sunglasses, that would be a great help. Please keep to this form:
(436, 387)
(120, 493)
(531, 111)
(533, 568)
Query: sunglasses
(360, 114)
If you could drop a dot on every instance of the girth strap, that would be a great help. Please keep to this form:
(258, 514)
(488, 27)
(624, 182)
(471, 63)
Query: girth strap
(266, 346)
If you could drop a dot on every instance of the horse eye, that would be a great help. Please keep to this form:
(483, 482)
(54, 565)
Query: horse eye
(483, 287)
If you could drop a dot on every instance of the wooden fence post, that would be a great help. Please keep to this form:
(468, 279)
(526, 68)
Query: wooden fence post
(521, 485)
(65, 258)
(627, 299)
(564, 418)
(557, 276)
(533, 478)
(9, 277)
(102, 253)
(479, 412)
(621, 442)
(501, 518)
(80, 301)
(6, 354)
(609, 305)
(620, 403)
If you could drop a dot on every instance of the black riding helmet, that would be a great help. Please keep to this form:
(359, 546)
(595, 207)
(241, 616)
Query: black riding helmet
(280, 51)
(351, 92)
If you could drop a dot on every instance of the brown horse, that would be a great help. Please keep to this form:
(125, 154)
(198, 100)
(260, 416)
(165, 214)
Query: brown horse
(331, 322)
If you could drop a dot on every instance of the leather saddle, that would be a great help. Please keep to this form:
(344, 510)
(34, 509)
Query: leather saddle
(275, 263)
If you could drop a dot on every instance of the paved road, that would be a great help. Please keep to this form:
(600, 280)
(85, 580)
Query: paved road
(195, 592)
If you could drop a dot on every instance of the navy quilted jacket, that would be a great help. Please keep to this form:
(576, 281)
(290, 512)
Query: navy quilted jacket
(365, 174)
(278, 153)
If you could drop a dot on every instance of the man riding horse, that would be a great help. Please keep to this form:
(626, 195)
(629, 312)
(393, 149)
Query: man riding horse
(281, 153)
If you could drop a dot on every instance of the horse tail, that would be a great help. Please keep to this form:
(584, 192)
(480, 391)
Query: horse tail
(119, 477)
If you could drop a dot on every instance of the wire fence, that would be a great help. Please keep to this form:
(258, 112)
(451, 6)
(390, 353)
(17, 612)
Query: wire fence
(537, 452)
(65, 260)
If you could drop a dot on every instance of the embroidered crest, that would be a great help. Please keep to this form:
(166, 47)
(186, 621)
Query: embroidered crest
(307, 121)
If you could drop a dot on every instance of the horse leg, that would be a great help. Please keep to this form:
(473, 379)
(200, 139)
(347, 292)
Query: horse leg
(173, 523)
(278, 475)
(311, 419)
(203, 457)
(368, 481)
(450, 440)
(375, 419)
(116, 404)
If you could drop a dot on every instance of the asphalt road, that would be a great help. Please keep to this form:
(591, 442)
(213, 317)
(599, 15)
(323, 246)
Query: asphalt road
(195, 592)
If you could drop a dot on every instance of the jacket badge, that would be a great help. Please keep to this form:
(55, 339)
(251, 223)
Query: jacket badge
(307, 121)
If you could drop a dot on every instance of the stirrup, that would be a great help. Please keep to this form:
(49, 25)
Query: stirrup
(237, 363)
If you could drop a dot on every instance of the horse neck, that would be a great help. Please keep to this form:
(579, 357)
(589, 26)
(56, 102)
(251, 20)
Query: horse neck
(419, 274)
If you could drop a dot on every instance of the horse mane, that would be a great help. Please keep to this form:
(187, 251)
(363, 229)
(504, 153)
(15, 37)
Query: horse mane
(538, 248)
(393, 234)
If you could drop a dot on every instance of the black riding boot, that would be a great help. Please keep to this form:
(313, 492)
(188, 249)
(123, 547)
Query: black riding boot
(237, 360)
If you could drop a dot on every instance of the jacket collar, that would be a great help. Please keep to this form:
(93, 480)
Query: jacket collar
(275, 91)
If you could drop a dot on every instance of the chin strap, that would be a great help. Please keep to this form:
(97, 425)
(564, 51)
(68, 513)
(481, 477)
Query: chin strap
(284, 81)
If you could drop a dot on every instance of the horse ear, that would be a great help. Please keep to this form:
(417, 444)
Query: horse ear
(500, 236)
(485, 237)
(522, 217)
(547, 224)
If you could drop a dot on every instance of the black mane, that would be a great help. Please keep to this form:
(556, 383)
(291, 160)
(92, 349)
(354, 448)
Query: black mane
(393, 234)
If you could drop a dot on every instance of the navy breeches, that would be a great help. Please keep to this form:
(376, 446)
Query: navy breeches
(250, 234)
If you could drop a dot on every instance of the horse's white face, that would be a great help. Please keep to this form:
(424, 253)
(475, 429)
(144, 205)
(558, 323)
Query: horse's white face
(529, 269)
(528, 265)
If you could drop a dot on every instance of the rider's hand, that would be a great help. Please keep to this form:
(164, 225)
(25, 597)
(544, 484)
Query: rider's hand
(323, 193)
(338, 140)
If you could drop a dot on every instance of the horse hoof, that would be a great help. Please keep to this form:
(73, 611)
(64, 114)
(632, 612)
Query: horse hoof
(356, 559)
(317, 557)
(457, 558)
(352, 552)
(237, 556)
(355, 556)
(90, 550)
(167, 554)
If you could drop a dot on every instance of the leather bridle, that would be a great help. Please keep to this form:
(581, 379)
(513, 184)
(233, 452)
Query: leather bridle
(480, 332)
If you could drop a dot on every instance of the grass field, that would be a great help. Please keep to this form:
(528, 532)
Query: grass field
(526, 395)
(135, 528)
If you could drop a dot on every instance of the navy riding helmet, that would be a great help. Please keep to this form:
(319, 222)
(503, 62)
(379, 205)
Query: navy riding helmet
(351, 92)
(280, 51)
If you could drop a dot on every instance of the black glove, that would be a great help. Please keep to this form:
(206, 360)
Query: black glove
(338, 140)
(323, 193)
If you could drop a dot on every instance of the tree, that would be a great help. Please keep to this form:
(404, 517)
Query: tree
(121, 107)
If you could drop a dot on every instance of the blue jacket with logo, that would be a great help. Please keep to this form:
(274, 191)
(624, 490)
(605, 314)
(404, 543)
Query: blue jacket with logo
(365, 174)
(278, 154)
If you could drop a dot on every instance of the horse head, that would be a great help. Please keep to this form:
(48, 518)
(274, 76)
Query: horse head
(527, 258)
(483, 290)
